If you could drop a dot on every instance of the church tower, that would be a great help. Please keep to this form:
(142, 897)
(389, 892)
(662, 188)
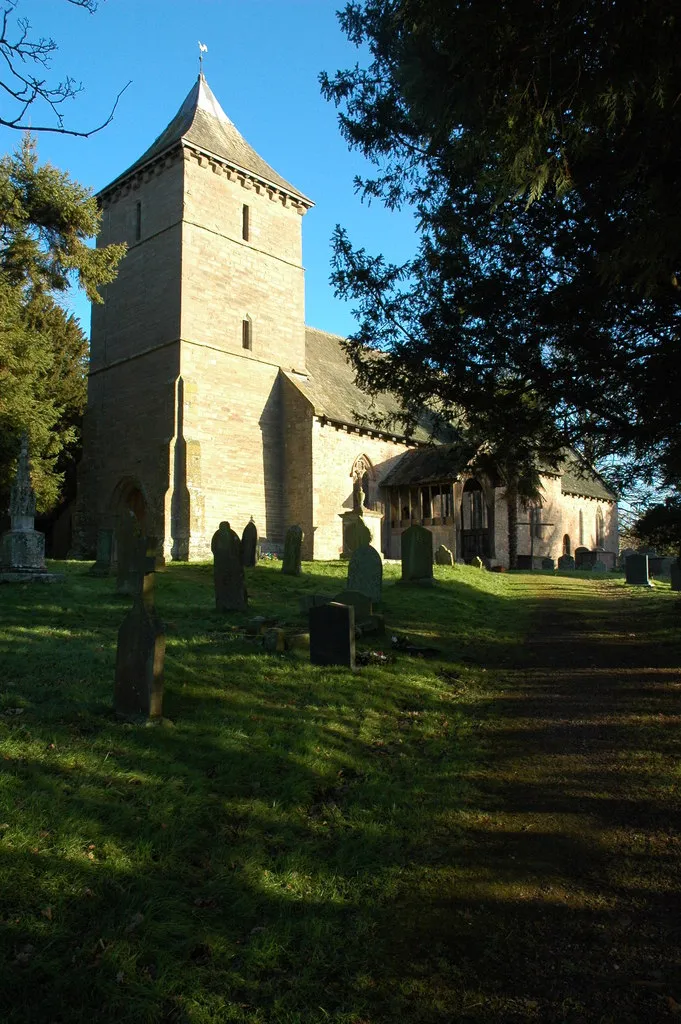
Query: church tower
(184, 420)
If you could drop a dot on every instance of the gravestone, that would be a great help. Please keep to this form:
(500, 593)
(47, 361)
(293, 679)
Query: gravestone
(140, 654)
(599, 566)
(356, 533)
(655, 565)
(675, 572)
(249, 543)
(332, 635)
(566, 563)
(22, 547)
(307, 601)
(582, 558)
(666, 567)
(548, 563)
(104, 554)
(360, 602)
(417, 555)
(443, 556)
(290, 565)
(228, 570)
(365, 573)
(624, 554)
(131, 550)
(637, 570)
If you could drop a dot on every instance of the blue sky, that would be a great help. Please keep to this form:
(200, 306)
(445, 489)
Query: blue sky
(263, 62)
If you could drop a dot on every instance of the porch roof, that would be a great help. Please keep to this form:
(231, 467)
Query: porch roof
(437, 463)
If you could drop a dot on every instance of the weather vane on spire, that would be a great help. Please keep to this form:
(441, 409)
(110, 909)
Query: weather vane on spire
(202, 49)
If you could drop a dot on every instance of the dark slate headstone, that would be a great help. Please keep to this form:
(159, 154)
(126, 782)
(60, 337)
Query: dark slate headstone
(292, 544)
(637, 570)
(228, 571)
(443, 556)
(417, 554)
(624, 554)
(548, 563)
(249, 543)
(332, 635)
(131, 550)
(365, 573)
(655, 565)
(360, 602)
(566, 562)
(104, 554)
(138, 686)
(675, 572)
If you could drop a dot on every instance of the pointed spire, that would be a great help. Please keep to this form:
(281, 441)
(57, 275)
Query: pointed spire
(202, 123)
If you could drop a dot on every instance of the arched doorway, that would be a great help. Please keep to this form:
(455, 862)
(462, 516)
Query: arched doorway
(128, 495)
(475, 534)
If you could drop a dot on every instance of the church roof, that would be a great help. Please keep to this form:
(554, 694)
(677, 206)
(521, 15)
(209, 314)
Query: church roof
(577, 477)
(331, 389)
(437, 463)
(201, 122)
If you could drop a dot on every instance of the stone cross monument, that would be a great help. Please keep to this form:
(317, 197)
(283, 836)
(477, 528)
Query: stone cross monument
(22, 547)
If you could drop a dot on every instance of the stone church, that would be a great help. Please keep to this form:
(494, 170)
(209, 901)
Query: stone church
(210, 399)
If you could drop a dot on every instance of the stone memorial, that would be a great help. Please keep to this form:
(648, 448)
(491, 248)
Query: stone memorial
(307, 601)
(140, 654)
(566, 563)
(548, 563)
(22, 547)
(637, 570)
(356, 533)
(332, 635)
(292, 546)
(104, 554)
(228, 570)
(131, 550)
(417, 555)
(675, 573)
(365, 573)
(599, 566)
(249, 544)
(624, 554)
(443, 556)
(360, 602)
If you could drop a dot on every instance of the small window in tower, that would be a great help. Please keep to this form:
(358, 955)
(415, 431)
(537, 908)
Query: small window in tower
(138, 222)
(245, 223)
(246, 336)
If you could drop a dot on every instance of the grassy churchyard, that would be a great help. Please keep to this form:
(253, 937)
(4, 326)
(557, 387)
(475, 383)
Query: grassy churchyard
(491, 834)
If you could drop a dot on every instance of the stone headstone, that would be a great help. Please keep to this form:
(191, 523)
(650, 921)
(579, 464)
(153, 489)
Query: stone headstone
(356, 533)
(566, 563)
(443, 556)
(140, 654)
(274, 641)
(249, 543)
(417, 554)
(131, 550)
(675, 573)
(292, 545)
(624, 554)
(666, 567)
(360, 602)
(637, 570)
(22, 547)
(332, 635)
(655, 565)
(307, 601)
(548, 563)
(599, 566)
(104, 554)
(228, 570)
(365, 573)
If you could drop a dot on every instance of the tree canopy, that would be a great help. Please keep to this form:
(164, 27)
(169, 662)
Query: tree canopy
(45, 222)
(539, 145)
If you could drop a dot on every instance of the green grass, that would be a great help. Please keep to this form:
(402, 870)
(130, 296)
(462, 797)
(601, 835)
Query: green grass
(300, 844)
(246, 860)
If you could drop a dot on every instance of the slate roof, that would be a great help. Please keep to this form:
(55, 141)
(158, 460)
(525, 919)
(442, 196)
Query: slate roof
(577, 477)
(436, 463)
(202, 122)
(332, 392)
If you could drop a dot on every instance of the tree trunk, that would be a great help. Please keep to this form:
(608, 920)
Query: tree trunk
(512, 502)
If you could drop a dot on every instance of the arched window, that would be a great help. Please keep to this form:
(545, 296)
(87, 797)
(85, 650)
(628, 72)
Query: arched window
(362, 474)
(566, 545)
(600, 528)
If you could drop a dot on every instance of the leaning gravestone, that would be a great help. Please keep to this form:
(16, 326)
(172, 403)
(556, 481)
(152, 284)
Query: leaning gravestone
(138, 686)
(292, 546)
(365, 573)
(566, 562)
(417, 555)
(443, 556)
(131, 549)
(332, 635)
(228, 570)
(249, 543)
(675, 572)
(637, 570)
(104, 554)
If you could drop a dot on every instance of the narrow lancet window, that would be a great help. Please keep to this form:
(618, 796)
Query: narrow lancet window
(245, 223)
(138, 221)
(246, 336)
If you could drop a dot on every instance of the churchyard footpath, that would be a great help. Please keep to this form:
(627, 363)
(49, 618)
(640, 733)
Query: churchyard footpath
(490, 834)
